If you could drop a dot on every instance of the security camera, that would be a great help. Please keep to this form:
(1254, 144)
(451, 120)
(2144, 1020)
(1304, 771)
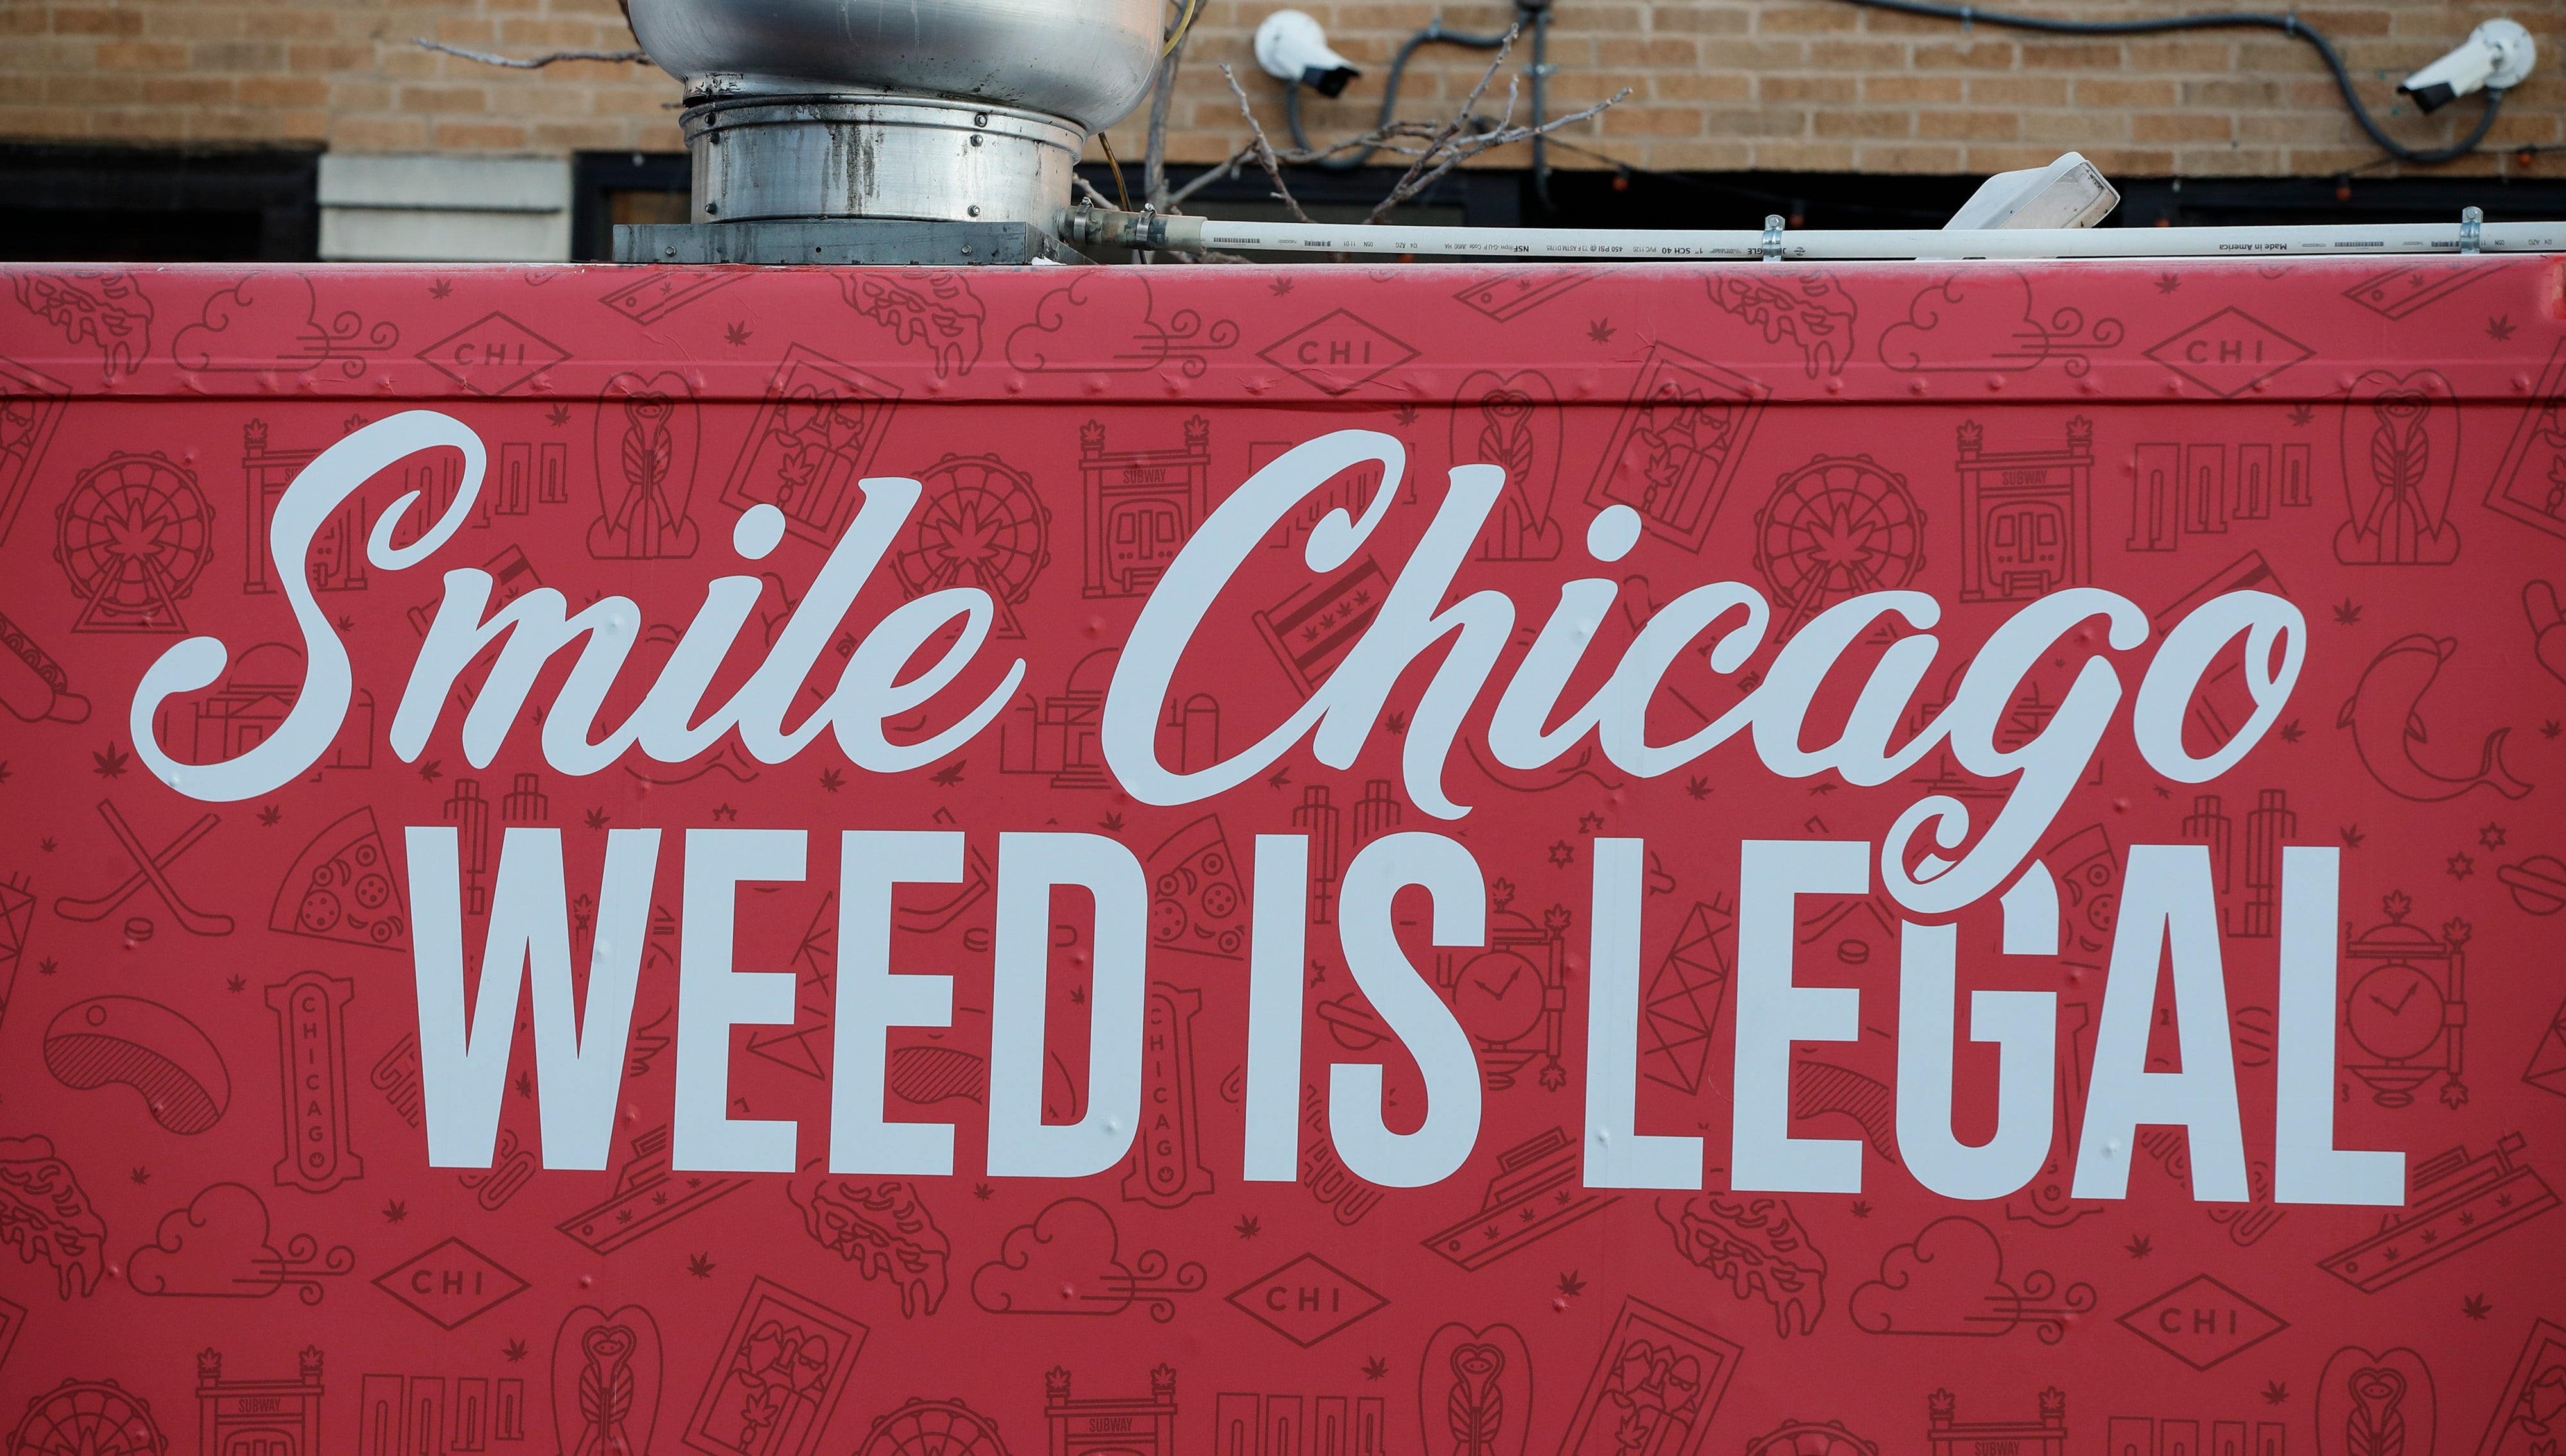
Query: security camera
(2496, 56)
(1292, 48)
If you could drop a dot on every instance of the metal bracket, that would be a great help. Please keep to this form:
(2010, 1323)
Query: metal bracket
(1772, 237)
(2471, 219)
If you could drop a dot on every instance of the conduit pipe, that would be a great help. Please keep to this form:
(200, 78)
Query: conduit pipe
(1102, 227)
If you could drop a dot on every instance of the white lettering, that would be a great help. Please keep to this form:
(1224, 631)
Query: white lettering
(579, 1061)
(1617, 1155)
(1421, 1019)
(1772, 1014)
(1021, 1144)
(712, 998)
(2167, 905)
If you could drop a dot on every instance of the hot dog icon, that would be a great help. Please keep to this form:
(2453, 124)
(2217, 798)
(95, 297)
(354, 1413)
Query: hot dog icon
(33, 686)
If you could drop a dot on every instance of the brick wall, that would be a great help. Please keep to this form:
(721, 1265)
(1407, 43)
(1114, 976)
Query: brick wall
(1716, 85)
(340, 73)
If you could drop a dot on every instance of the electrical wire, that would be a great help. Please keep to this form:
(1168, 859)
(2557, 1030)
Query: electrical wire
(1184, 23)
(1122, 194)
(2289, 25)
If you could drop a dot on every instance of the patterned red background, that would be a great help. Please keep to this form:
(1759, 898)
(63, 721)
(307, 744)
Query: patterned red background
(211, 1257)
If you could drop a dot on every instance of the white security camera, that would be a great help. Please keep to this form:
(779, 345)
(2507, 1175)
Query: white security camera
(1292, 48)
(2496, 56)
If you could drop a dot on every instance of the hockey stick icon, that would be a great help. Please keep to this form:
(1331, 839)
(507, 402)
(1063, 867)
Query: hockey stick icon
(151, 870)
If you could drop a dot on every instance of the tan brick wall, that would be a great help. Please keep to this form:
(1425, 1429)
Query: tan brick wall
(1721, 85)
(341, 73)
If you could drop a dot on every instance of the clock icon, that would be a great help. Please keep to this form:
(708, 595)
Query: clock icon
(1498, 996)
(2408, 1009)
(2395, 1011)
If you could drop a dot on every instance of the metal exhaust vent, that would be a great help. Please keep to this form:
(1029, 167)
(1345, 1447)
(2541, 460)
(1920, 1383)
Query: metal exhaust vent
(924, 112)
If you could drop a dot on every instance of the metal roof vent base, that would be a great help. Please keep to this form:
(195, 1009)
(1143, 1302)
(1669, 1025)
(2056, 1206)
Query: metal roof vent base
(871, 241)
(908, 111)
(917, 158)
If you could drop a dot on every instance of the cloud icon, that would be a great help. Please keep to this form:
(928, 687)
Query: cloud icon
(1950, 1280)
(272, 321)
(1987, 320)
(1097, 324)
(1068, 1261)
(219, 1247)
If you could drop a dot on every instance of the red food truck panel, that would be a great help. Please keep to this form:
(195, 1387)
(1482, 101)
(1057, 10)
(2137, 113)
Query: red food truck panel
(1951, 859)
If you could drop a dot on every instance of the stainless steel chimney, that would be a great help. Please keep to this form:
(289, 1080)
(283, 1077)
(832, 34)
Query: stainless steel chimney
(945, 111)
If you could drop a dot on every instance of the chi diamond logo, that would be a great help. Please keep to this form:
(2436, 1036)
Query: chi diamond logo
(493, 355)
(450, 1284)
(1336, 353)
(1307, 1300)
(2229, 352)
(2201, 1322)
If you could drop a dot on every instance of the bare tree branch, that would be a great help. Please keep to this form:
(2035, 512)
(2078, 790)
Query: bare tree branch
(1401, 189)
(1504, 136)
(1162, 95)
(1433, 148)
(531, 62)
(1222, 173)
(1264, 148)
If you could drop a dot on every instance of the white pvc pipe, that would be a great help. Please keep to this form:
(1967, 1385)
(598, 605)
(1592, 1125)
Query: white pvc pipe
(1634, 245)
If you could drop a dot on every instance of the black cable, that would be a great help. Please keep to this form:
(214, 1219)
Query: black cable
(2289, 25)
(1433, 32)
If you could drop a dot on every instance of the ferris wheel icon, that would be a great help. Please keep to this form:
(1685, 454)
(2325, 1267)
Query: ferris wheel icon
(133, 537)
(979, 523)
(1836, 528)
(922, 1427)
